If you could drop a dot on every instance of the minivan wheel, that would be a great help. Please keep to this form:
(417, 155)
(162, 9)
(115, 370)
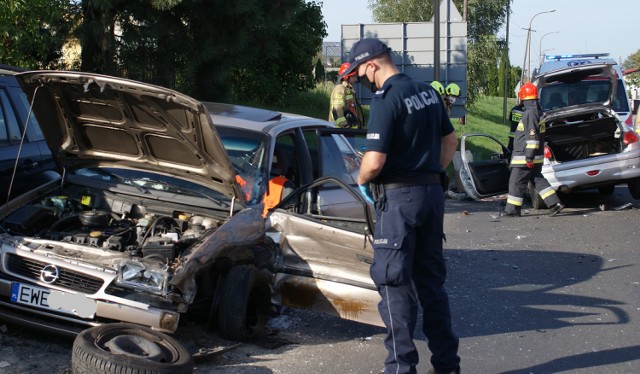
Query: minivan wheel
(536, 201)
(634, 188)
(244, 303)
(128, 348)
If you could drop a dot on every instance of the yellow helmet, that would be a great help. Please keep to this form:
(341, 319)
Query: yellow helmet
(453, 89)
(438, 87)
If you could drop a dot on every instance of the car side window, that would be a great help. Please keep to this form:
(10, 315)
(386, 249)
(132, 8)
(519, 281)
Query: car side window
(10, 127)
(284, 161)
(33, 128)
(332, 156)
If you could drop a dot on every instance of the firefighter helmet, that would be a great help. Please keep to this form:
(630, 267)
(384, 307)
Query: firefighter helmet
(528, 92)
(438, 87)
(453, 89)
(344, 67)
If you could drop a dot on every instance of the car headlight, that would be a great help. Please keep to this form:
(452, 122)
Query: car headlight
(139, 276)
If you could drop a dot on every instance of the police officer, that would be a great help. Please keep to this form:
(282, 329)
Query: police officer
(527, 157)
(345, 110)
(410, 141)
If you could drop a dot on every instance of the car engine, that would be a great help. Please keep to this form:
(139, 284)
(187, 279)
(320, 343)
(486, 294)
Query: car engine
(109, 224)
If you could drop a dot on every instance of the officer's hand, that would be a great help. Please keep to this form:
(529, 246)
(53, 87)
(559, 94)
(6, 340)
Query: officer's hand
(366, 192)
(530, 164)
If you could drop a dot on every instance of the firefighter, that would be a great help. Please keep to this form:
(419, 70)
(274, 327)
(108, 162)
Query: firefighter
(345, 110)
(452, 92)
(527, 157)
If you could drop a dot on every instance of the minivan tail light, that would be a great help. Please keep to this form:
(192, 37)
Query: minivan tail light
(547, 152)
(629, 137)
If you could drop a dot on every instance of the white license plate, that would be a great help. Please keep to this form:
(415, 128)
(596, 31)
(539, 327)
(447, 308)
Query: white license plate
(76, 304)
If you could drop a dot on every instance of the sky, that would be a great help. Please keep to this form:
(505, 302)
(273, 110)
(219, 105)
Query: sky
(576, 26)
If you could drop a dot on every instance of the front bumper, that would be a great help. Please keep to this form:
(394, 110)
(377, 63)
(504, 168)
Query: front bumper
(22, 266)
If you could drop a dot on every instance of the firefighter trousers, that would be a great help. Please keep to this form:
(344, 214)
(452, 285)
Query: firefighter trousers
(409, 270)
(518, 184)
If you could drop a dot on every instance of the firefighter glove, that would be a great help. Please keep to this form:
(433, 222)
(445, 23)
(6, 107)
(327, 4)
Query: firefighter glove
(366, 192)
(530, 164)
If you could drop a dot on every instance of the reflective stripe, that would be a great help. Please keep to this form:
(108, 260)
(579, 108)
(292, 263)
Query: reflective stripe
(515, 201)
(547, 192)
(521, 160)
(533, 144)
(341, 121)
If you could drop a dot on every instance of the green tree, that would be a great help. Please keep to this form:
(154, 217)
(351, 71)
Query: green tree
(484, 19)
(319, 71)
(33, 32)
(210, 49)
(633, 61)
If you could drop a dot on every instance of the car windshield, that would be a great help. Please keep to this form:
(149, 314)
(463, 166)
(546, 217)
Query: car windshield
(246, 149)
(560, 95)
(147, 181)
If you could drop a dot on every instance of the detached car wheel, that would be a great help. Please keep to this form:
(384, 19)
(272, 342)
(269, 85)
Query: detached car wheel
(634, 188)
(128, 348)
(244, 303)
(536, 201)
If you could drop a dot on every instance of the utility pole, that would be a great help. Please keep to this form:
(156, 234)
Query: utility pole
(527, 51)
(505, 87)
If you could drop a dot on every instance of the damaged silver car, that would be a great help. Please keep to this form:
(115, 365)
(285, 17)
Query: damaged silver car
(587, 146)
(147, 222)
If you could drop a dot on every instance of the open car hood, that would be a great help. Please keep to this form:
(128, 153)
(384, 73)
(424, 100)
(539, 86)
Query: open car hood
(96, 120)
(572, 78)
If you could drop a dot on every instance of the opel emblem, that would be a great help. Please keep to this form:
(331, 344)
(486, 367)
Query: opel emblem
(49, 274)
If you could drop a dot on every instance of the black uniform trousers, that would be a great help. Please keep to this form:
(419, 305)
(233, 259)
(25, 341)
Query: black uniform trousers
(408, 269)
(518, 183)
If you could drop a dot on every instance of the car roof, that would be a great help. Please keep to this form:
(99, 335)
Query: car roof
(10, 70)
(555, 62)
(259, 120)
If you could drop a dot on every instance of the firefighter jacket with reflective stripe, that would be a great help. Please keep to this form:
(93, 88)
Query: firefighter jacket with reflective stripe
(514, 118)
(274, 193)
(528, 141)
(345, 110)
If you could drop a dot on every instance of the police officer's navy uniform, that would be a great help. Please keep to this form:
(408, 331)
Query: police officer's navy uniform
(408, 120)
(528, 146)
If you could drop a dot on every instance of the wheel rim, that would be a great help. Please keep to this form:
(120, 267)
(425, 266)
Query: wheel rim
(138, 344)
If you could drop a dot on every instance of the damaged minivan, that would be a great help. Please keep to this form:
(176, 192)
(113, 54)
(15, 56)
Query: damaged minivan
(586, 145)
(147, 223)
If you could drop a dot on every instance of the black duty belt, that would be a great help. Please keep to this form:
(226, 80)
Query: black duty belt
(423, 179)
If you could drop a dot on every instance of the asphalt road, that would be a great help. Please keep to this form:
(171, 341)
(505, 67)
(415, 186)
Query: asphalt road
(535, 294)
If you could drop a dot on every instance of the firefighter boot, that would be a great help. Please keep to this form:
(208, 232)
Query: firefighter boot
(556, 209)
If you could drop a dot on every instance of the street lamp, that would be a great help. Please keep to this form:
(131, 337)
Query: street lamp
(527, 50)
(540, 44)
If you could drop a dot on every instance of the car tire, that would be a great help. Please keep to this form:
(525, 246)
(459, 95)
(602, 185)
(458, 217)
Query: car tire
(634, 188)
(128, 348)
(536, 201)
(244, 303)
(606, 190)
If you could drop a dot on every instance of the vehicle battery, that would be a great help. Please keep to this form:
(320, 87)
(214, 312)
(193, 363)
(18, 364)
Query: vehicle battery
(161, 248)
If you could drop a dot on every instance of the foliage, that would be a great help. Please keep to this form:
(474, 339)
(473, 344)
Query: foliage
(484, 19)
(319, 71)
(33, 32)
(633, 61)
(211, 50)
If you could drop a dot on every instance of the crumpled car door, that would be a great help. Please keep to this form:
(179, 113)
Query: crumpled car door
(326, 258)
